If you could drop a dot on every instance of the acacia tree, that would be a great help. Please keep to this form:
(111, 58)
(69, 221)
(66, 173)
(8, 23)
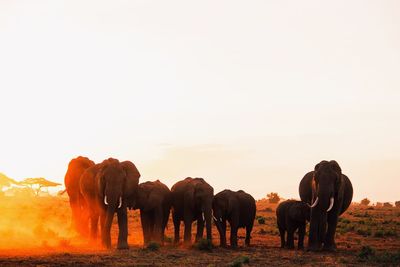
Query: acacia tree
(6, 181)
(273, 197)
(37, 184)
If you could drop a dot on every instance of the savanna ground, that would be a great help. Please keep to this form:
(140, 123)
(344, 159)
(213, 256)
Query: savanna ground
(36, 231)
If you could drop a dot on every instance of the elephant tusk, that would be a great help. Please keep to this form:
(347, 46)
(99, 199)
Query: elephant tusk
(105, 200)
(202, 214)
(215, 219)
(220, 219)
(120, 202)
(332, 201)
(315, 203)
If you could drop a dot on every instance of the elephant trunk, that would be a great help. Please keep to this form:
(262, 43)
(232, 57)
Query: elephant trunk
(111, 207)
(318, 222)
(208, 219)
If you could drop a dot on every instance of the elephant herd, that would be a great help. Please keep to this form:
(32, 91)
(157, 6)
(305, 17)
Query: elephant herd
(98, 191)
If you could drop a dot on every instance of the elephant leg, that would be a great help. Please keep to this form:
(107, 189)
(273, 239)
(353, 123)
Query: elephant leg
(200, 229)
(282, 234)
(158, 225)
(249, 228)
(290, 236)
(302, 230)
(123, 228)
(144, 219)
(94, 221)
(188, 229)
(329, 242)
(223, 234)
(234, 230)
(177, 224)
(164, 224)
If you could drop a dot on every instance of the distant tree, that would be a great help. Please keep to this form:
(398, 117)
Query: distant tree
(37, 184)
(388, 205)
(365, 202)
(397, 204)
(379, 204)
(273, 197)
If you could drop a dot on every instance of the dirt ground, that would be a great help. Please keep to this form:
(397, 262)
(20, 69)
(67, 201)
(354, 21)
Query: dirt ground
(36, 232)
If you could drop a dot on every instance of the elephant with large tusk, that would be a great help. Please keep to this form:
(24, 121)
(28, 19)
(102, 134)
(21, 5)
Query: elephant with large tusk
(328, 192)
(107, 187)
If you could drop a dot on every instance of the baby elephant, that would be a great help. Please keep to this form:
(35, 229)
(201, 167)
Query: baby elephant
(154, 201)
(239, 209)
(292, 215)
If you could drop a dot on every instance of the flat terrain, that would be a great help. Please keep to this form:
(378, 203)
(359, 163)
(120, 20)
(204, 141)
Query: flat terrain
(36, 232)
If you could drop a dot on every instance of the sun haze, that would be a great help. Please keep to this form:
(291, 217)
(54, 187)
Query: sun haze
(248, 96)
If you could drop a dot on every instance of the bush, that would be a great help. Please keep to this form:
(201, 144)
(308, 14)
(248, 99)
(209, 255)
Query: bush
(388, 205)
(167, 239)
(379, 233)
(239, 261)
(364, 232)
(261, 220)
(273, 197)
(366, 253)
(397, 204)
(153, 246)
(365, 202)
(262, 231)
(204, 245)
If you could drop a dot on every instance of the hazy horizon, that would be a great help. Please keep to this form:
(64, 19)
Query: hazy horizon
(249, 100)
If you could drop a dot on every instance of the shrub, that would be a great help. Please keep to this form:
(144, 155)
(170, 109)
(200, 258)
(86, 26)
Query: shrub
(379, 233)
(364, 232)
(204, 245)
(388, 205)
(273, 197)
(153, 246)
(365, 202)
(239, 261)
(262, 231)
(397, 204)
(366, 253)
(167, 239)
(261, 220)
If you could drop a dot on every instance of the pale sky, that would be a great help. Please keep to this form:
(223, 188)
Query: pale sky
(247, 94)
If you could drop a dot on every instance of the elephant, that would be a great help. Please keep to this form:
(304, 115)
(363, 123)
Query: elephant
(290, 216)
(329, 193)
(192, 200)
(239, 209)
(76, 167)
(154, 201)
(106, 188)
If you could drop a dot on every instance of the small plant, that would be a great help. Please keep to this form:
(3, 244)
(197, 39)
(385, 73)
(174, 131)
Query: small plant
(153, 246)
(204, 245)
(167, 239)
(239, 261)
(261, 220)
(366, 253)
(365, 202)
(364, 232)
(262, 231)
(379, 233)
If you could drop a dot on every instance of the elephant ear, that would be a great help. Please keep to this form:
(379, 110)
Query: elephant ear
(132, 176)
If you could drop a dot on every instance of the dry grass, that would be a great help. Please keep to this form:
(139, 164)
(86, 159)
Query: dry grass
(36, 232)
